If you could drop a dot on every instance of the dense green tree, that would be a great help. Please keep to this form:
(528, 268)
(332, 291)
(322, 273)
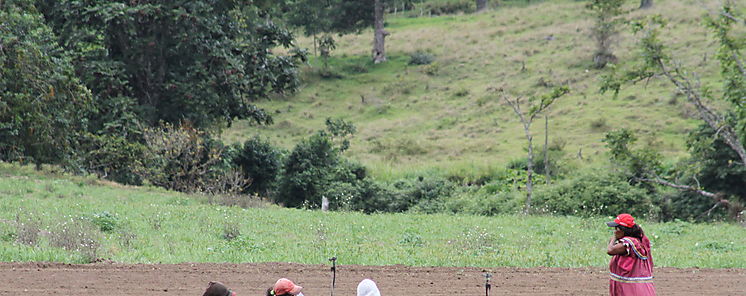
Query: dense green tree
(199, 61)
(43, 106)
(595, 193)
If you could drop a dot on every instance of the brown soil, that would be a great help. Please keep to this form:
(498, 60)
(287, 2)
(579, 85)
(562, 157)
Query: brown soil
(253, 279)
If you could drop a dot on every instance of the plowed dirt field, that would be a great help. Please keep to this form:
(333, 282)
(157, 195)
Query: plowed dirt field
(252, 279)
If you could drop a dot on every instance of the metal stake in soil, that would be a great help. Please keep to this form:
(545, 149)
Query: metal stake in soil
(487, 285)
(334, 273)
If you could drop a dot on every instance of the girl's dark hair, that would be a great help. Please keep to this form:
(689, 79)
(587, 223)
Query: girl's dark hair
(634, 231)
(270, 293)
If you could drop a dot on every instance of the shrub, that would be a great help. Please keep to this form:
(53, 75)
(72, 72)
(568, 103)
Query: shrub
(105, 221)
(482, 202)
(113, 158)
(185, 159)
(261, 162)
(127, 238)
(27, 231)
(425, 194)
(77, 235)
(431, 69)
(244, 201)
(356, 68)
(500, 195)
(599, 124)
(314, 170)
(421, 58)
(411, 239)
(477, 241)
(375, 197)
(428, 193)
(306, 171)
(594, 193)
(242, 245)
(555, 166)
(449, 7)
(231, 230)
(461, 93)
(356, 194)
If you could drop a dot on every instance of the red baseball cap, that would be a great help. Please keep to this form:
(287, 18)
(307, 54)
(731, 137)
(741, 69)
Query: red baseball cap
(285, 286)
(625, 220)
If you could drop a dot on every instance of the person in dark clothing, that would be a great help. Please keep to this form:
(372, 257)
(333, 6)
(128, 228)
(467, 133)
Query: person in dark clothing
(218, 289)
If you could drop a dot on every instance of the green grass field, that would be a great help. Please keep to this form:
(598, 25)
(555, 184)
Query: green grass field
(147, 225)
(447, 117)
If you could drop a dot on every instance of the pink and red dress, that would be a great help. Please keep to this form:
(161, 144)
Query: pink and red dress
(632, 273)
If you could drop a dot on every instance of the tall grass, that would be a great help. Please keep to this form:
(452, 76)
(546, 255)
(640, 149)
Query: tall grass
(148, 225)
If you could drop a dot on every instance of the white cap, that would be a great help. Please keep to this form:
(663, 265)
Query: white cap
(367, 288)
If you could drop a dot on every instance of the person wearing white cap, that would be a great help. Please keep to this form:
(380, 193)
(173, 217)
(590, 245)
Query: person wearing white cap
(367, 288)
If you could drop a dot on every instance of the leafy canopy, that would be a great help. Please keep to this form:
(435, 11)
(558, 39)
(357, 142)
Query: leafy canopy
(43, 106)
(200, 61)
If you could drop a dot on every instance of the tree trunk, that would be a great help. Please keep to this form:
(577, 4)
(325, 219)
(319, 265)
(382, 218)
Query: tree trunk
(379, 53)
(645, 4)
(530, 171)
(546, 148)
(481, 5)
(314, 44)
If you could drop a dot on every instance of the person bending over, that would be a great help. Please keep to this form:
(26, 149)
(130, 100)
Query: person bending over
(367, 288)
(218, 289)
(284, 287)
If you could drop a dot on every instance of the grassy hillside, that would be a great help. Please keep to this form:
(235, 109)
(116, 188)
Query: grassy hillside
(447, 116)
(49, 217)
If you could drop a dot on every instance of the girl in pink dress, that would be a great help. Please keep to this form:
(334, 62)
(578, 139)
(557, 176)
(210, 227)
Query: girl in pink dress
(631, 268)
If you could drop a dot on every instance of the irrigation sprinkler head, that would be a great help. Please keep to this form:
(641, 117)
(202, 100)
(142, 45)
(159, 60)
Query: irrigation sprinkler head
(334, 263)
(334, 273)
(487, 285)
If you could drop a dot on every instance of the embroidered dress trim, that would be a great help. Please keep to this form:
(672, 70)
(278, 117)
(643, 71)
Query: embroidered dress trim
(634, 249)
(624, 279)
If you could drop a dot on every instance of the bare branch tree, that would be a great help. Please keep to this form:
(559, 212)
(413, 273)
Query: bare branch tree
(658, 180)
(716, 121)
(536, 105)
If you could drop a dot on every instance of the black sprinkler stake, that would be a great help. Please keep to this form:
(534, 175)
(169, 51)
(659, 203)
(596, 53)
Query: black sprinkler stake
(334, 273)
(487, 285)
